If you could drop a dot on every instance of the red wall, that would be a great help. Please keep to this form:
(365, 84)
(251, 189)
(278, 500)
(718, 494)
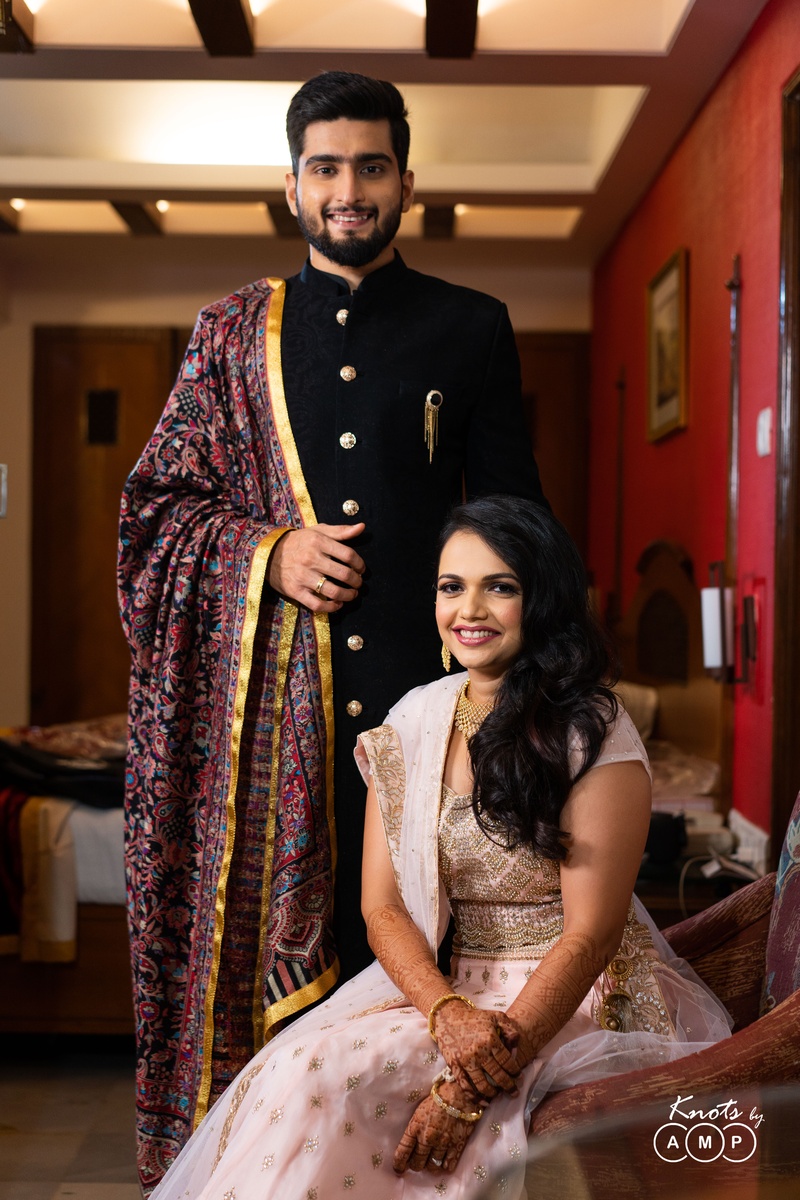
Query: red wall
(718, 195)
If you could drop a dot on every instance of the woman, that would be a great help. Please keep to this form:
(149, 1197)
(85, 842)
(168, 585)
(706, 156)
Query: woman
(516, 796)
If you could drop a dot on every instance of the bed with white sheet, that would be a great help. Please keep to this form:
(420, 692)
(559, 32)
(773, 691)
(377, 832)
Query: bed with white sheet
(64, 964)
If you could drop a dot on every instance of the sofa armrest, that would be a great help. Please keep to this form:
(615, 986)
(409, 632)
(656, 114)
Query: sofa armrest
(727, 946)
(768, 1051)
(712, 928)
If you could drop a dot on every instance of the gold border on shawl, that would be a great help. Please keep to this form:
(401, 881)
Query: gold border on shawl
(255, 587)
(317, 988)
(288, 626)
(301, 999)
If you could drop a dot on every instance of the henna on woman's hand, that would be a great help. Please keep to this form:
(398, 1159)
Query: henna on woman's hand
(554, 992)
(472, 1042)
(433, 1140)
(396, 941)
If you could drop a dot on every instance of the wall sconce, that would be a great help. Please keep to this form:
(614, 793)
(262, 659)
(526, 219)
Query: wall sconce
(718, 611)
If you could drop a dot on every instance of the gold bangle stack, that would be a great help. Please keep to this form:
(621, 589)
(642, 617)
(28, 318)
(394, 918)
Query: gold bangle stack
(437, 1004)
(469, 1117)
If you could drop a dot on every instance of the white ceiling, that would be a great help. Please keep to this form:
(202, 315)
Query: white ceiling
(576, 25)
(550, 133)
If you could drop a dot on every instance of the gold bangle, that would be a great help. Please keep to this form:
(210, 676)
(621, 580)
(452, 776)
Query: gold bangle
(470, 1117)
(437, 1004)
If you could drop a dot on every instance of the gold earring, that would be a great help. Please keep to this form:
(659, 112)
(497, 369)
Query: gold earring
(445, 657)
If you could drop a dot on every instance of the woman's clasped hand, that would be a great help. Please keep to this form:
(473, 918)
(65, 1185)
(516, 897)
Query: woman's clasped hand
(481, 1052)
(477, 1046)
(434, 1139)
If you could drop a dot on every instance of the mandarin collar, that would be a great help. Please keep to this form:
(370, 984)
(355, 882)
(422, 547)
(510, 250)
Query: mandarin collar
(387, 277)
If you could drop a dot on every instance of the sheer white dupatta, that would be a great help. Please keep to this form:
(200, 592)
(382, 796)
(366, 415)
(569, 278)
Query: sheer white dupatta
(405, 758)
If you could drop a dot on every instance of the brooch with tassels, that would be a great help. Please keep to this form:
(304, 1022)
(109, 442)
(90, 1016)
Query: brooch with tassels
(433, 402)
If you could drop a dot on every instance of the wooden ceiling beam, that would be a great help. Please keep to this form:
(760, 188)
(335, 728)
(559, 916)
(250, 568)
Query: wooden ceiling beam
(451, 27)
(283, 219)
(9, 218)
(16, 27)
(226, 27)
(143, 220)
(438, 221)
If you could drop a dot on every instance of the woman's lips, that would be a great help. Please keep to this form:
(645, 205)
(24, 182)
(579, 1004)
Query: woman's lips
(475, 637)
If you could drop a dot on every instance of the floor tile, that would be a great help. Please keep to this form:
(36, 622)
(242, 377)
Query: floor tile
(30, 1158)
(29, 1191)
(67, 1121)
(110, 1158)
(116, 1114)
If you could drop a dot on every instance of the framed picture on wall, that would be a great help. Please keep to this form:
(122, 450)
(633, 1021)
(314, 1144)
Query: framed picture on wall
(667, 330)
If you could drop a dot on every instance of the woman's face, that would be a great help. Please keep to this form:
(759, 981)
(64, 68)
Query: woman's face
(478, 606)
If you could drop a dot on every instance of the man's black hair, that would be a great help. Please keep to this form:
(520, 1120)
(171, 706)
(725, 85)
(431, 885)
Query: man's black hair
(335, 94)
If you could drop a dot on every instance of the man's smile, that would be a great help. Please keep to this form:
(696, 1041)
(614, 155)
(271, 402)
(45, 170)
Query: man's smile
(350, 218)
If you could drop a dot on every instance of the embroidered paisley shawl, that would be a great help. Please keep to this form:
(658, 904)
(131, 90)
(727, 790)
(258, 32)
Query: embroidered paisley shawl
(229, 847)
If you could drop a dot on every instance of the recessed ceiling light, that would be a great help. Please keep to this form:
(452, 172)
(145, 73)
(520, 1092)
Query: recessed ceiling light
(162, 205)
(17, 204)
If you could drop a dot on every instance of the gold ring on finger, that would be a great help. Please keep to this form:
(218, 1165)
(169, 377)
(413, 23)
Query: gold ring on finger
(320, 585)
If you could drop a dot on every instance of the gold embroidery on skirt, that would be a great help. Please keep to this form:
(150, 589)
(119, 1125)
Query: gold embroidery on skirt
(242, 1089)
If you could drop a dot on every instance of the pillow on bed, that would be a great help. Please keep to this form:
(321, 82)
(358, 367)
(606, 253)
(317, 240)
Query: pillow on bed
(641, 705)
(678, 774)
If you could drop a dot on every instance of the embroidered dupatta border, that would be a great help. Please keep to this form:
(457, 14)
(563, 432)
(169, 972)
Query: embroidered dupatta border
(255, 585)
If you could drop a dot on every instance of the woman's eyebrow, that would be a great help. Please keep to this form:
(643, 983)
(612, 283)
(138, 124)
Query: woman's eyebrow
(485, 579)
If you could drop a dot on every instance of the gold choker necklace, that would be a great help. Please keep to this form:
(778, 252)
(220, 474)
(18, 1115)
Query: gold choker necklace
(469, 715)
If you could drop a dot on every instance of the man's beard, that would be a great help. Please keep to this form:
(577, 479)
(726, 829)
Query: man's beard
(351, 250)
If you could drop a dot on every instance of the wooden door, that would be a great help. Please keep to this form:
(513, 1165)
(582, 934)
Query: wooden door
(555, 388)
(98, 394)
(786, 643)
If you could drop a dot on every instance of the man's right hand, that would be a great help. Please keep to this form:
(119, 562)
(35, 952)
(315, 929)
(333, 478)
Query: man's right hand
(303, 557)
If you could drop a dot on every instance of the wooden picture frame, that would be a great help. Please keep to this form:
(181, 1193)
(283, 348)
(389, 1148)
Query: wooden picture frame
(667, 333)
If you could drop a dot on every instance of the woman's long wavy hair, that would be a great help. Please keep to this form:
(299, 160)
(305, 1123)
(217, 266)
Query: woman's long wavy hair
(555, 696)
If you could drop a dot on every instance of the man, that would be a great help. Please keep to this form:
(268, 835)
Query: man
(277, 558)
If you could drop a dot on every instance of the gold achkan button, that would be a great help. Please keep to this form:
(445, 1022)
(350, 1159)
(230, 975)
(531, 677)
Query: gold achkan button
(341, 316)
(355, 708)
(350, 507)
(355, 642)
(347, 441)
(348, 373)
